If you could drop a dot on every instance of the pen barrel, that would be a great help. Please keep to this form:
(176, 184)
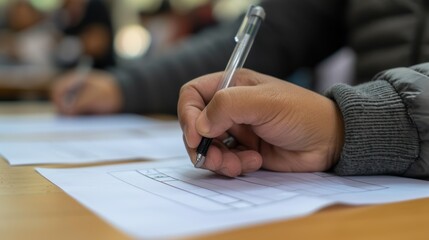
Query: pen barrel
(204, 145)
(241, 50)
(248, 38)
(244, 38)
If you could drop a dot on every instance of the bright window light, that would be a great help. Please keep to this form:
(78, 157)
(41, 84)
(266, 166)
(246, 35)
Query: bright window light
(45, 5)
(132, 41)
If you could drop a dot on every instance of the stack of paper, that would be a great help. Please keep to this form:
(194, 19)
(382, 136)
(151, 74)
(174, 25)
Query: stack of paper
(51, 139)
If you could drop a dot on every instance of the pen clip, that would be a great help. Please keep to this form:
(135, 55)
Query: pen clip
(252, 12)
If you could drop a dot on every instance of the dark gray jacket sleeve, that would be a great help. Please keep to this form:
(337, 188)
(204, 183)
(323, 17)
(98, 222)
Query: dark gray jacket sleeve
(386, 124)
(152, 85)
(294, 34)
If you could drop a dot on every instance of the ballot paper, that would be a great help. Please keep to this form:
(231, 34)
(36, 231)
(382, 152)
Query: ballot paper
(44, 139)
(167, 199)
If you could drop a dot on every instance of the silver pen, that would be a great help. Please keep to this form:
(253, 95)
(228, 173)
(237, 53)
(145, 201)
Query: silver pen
(244, 40)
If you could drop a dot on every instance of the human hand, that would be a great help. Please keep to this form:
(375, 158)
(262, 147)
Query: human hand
(99, 94)
(279, 126)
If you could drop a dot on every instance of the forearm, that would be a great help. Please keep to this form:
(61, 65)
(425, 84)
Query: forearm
(152, 85)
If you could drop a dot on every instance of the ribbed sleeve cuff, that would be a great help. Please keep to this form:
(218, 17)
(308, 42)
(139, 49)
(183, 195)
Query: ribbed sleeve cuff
(379, 135)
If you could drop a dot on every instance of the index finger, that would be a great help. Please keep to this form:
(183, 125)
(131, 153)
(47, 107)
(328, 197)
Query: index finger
(192, 100)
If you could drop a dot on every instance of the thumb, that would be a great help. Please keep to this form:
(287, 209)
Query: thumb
(252, 101)
(230, 107)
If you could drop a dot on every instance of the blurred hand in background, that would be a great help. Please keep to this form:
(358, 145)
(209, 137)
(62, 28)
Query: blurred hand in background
(98, 94)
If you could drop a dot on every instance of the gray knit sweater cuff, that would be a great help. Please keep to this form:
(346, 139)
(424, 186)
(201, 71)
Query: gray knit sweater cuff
(379, 135)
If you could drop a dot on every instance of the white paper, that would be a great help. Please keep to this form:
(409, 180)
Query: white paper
(173, 199)
(42, 139)
(48, 123)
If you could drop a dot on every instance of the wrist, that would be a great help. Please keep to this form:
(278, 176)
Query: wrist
(339, 136)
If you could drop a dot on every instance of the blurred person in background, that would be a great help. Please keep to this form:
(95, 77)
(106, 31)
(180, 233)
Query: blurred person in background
(26, 35)
(87, 30)
(27, 43)
(36, 44)
(169, 26)
(295, 34)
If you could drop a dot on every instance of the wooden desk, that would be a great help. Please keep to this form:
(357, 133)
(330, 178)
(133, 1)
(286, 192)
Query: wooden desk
(33, 208)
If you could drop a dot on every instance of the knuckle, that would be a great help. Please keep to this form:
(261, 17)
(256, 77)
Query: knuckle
(184, 88)
(245, 77)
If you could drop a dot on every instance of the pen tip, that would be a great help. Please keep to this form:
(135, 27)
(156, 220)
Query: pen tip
(199, 161)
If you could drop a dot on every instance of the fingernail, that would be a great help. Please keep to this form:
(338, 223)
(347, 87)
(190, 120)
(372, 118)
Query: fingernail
(185, 136)
(254, 164)
(185, 131)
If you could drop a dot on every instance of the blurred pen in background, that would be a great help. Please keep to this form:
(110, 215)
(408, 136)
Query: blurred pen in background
(82, 70)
